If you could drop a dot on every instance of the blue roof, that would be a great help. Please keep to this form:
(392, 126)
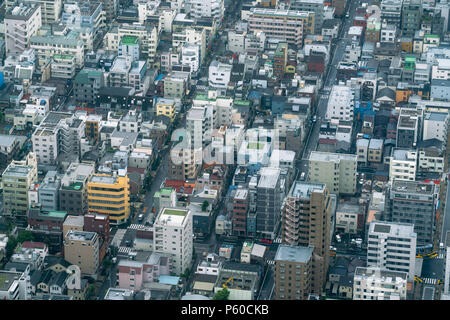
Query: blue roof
(159, 77)
(254, 95)
(169, 280)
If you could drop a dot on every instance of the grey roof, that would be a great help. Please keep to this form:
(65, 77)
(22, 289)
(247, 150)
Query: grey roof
(294, 253)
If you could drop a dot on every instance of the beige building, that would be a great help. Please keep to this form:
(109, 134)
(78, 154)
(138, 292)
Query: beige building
(347, 218)
(377, 284)
(293, 272)
(16, 181)
(290, 25)
(81, 248)
(306, 221)
(336, 170)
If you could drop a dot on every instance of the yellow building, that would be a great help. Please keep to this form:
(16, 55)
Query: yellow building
(110, 194)
(166, 107)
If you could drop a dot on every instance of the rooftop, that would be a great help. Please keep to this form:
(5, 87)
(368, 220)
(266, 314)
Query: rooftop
(393, 228)
(413, 187)
(269, 177)
(327, 156)
(294, 253)
(303, 190)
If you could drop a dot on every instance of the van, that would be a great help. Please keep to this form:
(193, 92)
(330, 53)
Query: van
(302, 176)
(338, 238)
(141, 217)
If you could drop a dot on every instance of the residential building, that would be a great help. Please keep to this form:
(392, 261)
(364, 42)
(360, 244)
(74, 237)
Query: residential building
(269, 198)
(16, 180)
(414, 203)
(293, 272)
(63, 66)
(22, 22)
(86, 85)
(411, 17)
(306, 221)
(173, 235)
(81, 248)
(392, 246)
(291, 26)
(241, 280)
(316, 6)
(109, 195)
(340, 103)
(373, 283)
(336, 170)
(48, 192)
(403, 164)
(73, 195)
(207, 9)
(349, 218)
(129, 46)
(219, 74)
(15, 285)
(375, 151)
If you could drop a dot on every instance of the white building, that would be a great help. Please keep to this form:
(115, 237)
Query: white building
(376, 284)
(392, 246)
(441, 69)
(362, 148)
(190, 56)
(219, 75)
(173, 234)
(403, 164)
(15, 285)
(207, 9)
(199, 122)
(340, 103)
(435, 126)
(21, 23)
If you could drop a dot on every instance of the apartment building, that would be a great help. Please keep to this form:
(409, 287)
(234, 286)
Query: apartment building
(81, 248)
(392, 246)
(306, 221)
(148, 39)
(336, 170)
(73, 195)
(206, 9)
(110, 195)
(199, 124)
(269, 199)
(166, 107)
(49, 45)
(83, 14)
(408, 128)
(173, 234)
(129, 46)
(58, 134)
(176, 84)
(87, 84)
(21, 23)
(182, 34)
(190, 56)
(375, 151)
(440, 69)
(48, 191)
(341, 103)
(15, 285)
(411, 17)
(63, 66)
(239, 213)
(219, 74)
(414, 203)
(16, 181)
(316, 6)
(403, 164)
(435, 126)
(50, 9)
(293, 272)
(391, 11)
(289, 25)
(373, 283)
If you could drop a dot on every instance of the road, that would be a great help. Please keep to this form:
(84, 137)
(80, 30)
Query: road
(339, 49)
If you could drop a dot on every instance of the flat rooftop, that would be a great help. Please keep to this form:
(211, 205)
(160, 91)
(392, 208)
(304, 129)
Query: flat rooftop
(269, 177)
(392, 228)
(81, 235)
(378, 273)
(103, 179)
(413, 187)
(327, 156)
(303, 190)
(294, 253)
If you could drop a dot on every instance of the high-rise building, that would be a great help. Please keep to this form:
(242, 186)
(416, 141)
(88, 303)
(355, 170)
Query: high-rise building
(50, 9)
(207, 9)
(293, 272)
(289, 25)
(316, 6)
(411, 17)
(375, 284)
(392, 246)
(21, 23)
(269, 198)
(173, 234)
(307, 221)
(110, 195)
(414, 202)
(16, 180)
(336, 170)
(81, 248)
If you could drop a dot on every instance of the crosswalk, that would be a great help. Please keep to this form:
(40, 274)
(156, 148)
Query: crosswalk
(125, 250)
(270, 262)
(136, 226)
(440, 256)
(277, 240)
(429, 281)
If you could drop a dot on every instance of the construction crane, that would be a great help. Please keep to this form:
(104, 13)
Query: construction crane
(225, 284)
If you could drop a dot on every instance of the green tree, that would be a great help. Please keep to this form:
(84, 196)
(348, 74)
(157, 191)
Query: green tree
(186, 273)
(10, 246)
(222, 294)
(205, 205)
(91, 291)
(25, 235)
